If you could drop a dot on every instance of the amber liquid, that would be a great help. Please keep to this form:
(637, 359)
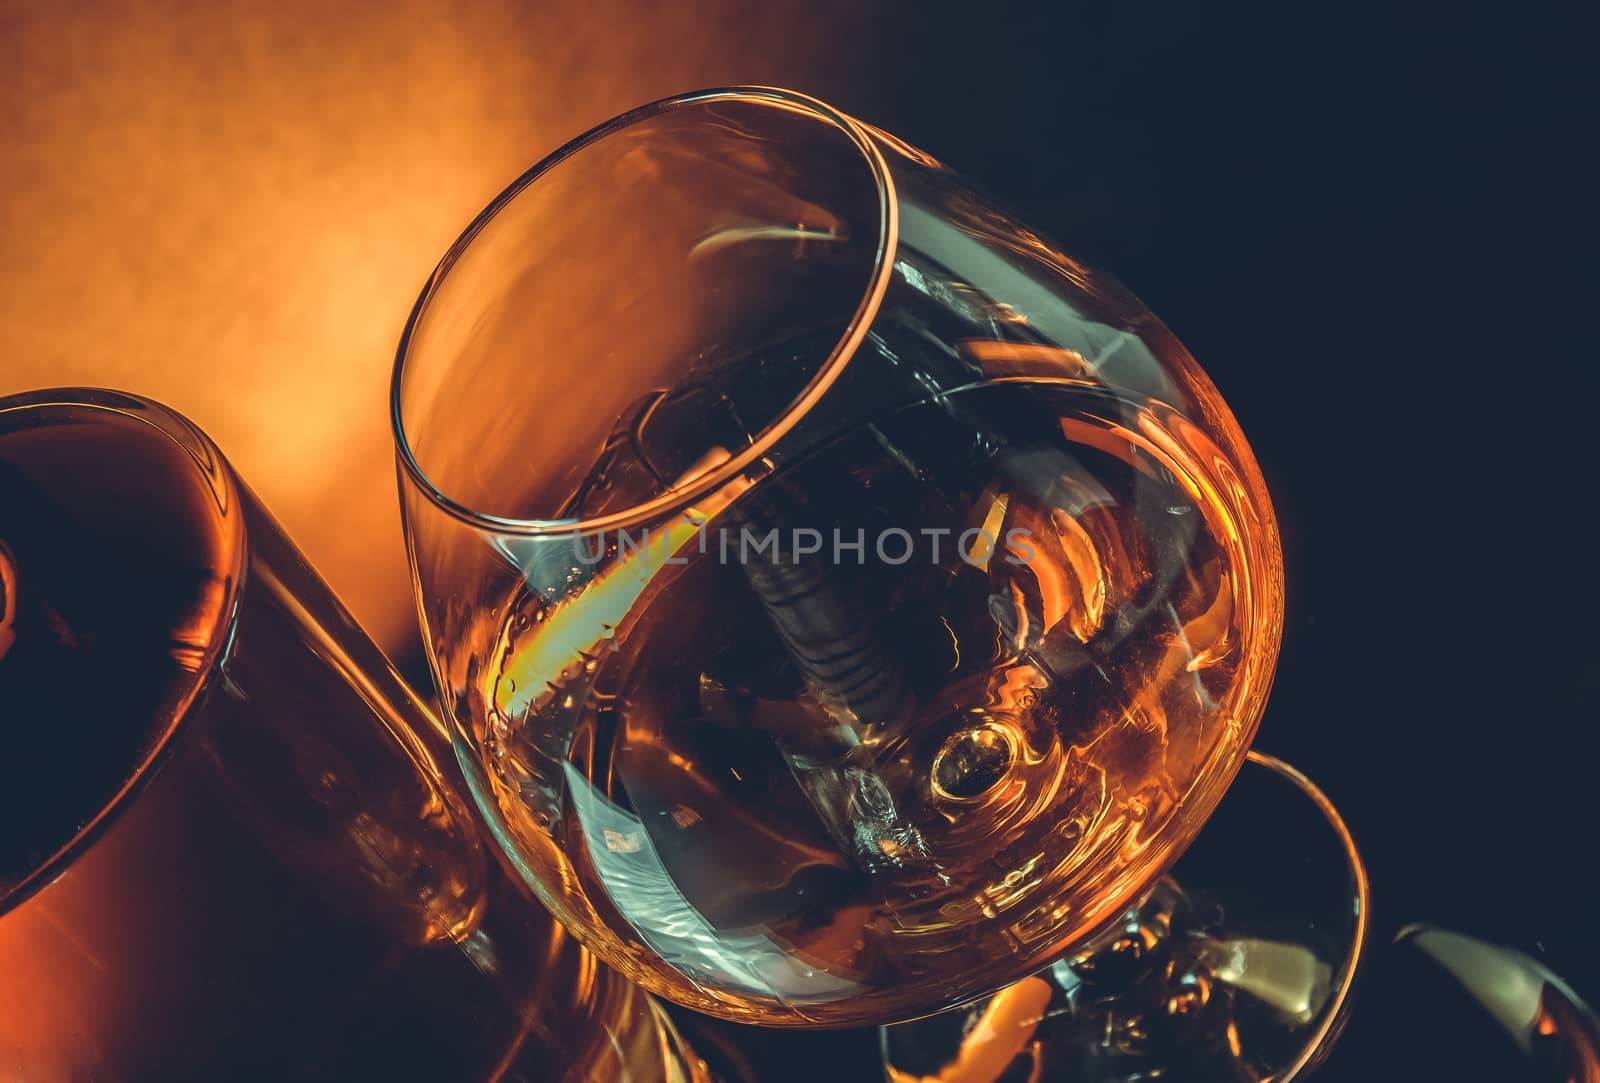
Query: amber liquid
(291, 887)
(810, 789)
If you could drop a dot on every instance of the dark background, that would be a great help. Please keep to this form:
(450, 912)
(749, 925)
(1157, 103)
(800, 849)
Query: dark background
(1365, 221)
(1365, 224)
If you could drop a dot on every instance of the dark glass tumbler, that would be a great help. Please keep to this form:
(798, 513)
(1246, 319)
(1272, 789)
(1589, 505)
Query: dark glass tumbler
(232, 842)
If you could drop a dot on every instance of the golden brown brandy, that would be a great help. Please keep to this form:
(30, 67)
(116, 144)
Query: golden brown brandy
(801, 784)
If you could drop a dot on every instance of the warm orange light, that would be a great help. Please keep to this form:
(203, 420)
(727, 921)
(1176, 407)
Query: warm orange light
(231, 207)
(999, 1037)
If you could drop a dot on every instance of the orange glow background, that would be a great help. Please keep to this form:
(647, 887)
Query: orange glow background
(230, 207)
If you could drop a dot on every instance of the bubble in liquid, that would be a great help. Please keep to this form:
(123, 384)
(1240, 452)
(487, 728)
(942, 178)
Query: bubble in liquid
(972, 762)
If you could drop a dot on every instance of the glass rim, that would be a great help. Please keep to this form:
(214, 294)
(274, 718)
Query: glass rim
(683, 497)
(213, 470)
(1336, 1011)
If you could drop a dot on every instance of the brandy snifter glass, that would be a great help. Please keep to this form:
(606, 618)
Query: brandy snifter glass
(846, 603)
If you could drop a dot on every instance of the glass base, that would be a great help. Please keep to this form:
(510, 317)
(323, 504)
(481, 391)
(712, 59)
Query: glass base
(1238, 966)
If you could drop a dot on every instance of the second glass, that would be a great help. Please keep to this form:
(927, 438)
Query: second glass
(233, 845)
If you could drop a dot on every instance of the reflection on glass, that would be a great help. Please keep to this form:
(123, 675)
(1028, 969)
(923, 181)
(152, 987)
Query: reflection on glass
(1555, 1034)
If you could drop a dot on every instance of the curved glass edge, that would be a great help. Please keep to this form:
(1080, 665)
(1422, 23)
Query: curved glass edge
(680, 499)
(1337, 1014)
(218, 476)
